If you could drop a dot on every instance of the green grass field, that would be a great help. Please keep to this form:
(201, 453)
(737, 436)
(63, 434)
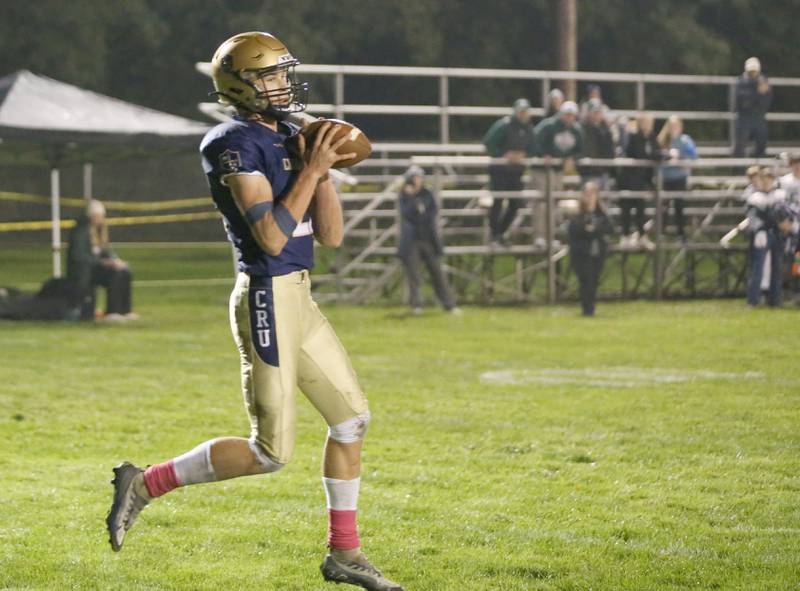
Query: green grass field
(653, 447)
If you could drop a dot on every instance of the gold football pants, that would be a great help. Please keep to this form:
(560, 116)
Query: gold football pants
(285, 342)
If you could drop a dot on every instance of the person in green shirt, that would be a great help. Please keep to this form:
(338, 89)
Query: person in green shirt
(511, 138)
(92, 263)
(559, 136)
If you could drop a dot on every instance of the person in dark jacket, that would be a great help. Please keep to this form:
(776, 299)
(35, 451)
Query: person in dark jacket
(587, 246)
(753, 99)
(555, 98)
(642, 145)
(512, 138)
(419, 238)
(559, 136)
(598, 142)
(92, 263)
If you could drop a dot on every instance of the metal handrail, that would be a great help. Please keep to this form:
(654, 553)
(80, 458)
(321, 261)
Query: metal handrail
(205, 68)
(444, 109)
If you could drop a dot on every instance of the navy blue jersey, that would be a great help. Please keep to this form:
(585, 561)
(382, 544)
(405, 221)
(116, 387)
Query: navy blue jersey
(247, 147)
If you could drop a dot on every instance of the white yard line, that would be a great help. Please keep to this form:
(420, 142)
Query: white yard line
(611, 377)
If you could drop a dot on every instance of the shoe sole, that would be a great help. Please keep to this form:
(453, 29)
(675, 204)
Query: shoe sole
(123, 476)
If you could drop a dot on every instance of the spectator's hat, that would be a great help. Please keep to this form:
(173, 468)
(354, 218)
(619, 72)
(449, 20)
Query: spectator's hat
(590, 88)
(767, 171)
(793, 158)
(594, 105)
(752, 64)
(556, 94)
(568, 108)
(521, 104)
(413, 171)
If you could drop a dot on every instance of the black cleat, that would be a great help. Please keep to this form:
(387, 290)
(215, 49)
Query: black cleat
(127, 504)
(358, 572)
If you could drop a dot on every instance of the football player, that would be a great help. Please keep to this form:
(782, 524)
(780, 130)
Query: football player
(275, 197)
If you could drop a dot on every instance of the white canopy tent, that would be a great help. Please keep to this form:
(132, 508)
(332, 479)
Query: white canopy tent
(52, 123)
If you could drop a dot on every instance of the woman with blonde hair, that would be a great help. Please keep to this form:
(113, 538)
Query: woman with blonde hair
(92, 263)
(676, 146)
(587, 245)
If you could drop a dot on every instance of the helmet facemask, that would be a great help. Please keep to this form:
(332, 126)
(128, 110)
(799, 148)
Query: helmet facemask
(276, 102)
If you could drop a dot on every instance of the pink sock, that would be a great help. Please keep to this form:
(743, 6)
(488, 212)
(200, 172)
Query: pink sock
(160, 479)
(342, 531)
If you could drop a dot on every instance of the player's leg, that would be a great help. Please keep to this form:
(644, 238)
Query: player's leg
(777, 248)
(326, 377)
(268, 389)
(758, 255)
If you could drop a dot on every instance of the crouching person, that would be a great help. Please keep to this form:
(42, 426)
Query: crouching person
(91, 263)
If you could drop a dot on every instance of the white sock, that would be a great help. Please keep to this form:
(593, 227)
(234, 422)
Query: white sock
(342, 495)
(194, 466)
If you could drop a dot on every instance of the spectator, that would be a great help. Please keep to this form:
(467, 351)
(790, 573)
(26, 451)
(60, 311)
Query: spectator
(678, 146)
(598, 143)
(753, 99)
(619, 124)
(92, 263)
(642, 145)
(555, 99)
(753, 173)
(587, 246)
(593, 93)
(790, 182)
(770, 222)
(511, 138)
(559, 136)
(419, 237)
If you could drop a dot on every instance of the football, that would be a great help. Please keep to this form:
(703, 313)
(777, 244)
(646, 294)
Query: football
(357, 142)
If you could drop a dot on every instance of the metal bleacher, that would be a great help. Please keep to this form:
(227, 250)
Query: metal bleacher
(366, 269)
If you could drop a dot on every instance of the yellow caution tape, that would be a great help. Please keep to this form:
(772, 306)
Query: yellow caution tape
(118, 205)
(120, 221)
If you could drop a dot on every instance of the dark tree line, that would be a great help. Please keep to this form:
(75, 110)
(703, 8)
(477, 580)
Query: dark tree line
(145, 50)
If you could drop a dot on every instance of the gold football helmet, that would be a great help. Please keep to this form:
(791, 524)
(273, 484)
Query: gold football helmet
(245, 67)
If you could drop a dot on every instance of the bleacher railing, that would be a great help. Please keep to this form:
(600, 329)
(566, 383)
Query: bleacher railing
(445, 110)
(713, 207)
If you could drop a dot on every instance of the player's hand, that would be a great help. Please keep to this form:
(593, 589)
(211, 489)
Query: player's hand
(323, 154)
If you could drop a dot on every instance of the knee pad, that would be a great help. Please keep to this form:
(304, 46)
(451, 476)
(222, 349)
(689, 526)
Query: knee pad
(351, 430)
(266, 463)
